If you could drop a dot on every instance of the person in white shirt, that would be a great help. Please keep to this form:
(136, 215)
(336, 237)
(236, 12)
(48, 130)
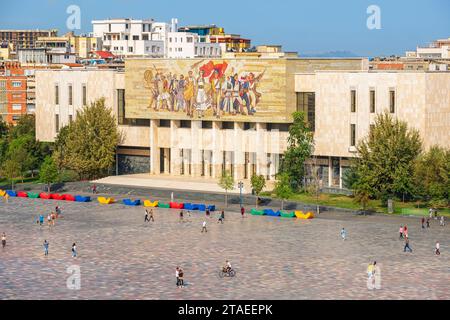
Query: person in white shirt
(437, 248)
(204, 227)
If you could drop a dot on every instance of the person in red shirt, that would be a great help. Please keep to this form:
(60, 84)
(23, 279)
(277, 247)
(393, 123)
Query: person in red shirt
(242, 211)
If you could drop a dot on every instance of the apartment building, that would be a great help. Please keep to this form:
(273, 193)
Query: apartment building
(24, 38)
(13, 92)
(134, 38)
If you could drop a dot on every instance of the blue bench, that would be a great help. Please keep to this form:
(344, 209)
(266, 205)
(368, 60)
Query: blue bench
(130, 202)
(82, 199)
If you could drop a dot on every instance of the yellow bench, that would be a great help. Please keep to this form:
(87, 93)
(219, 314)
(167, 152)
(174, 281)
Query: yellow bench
(305, 216)
(148, 203)
(104, 200)
(2, 193)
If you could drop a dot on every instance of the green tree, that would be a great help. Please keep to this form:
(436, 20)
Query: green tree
(432, 175)
(10, 170)
(386, 158)
(49, 172)
(25, 125)
(226, 182)
(91, 141)
(300, 148)
(59, 147)
(258, 183)
(283, 189)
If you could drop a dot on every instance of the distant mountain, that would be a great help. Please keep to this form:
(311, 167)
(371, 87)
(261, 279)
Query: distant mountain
(331, 54)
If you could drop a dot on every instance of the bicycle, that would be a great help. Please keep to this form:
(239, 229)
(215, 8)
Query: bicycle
(227, 273)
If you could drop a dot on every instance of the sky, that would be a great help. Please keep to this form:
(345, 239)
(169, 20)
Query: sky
(308, 27)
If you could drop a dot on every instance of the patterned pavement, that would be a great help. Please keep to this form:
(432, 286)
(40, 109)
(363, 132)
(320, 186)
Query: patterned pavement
(121, 257)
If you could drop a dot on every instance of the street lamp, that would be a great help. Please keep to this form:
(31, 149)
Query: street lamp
(240, 185)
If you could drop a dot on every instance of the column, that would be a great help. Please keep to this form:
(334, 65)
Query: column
(239, 156)
(154, 148)
(196, 161)
(261, 156)
(175, 158)
(217, 155)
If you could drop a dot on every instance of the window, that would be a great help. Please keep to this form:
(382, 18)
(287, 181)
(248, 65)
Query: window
(70, 95)
(372, 101)
(16, 117)
(249, 126)
(17, 107)
(17, 84)
(84, 95)
(283, 127)
(163, 123)
(189, 39)
(185, 124)
(352, 135)
(392, 101)
(145, 37)
(135, 37)
(353, 100)
(121, 105)
(70, 118)
(126, 26)
(57, 123)
(130, 49)
(306, 103)
(227, 125)
(57, 94)
(206, 124)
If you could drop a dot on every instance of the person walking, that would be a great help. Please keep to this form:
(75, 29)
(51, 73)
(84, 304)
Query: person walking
(6, 198)
(94, 189)
(46, 244)
(181, 277)
(41, 219)
(204, 227)
(431, 212)
(58, 211)
(343, 234)
(53, 218)
(49, 220)
(405, 231)
(181, 216)
(441, 222)
(242, 211)
(74, 250)
(437, 250)
(401, 232)
(428, 222)
(146, 219)
(177, 275)
(3, 240)
(207, 213)
(221, 217)
(407, 245)
(423, 223)
(151, 215)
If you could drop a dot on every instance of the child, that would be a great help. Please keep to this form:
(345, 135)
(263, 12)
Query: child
(204, 227)
(437, 248)
(343, 234)
(401, 232)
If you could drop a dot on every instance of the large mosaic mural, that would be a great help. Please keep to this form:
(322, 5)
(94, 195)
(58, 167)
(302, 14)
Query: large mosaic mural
(241, 90)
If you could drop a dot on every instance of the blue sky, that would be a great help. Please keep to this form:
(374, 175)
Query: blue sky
(311, 26)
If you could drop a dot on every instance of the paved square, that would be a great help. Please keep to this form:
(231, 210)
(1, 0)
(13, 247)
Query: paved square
(121, 257)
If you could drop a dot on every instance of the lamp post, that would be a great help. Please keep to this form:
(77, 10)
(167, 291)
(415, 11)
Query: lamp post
(240, 185)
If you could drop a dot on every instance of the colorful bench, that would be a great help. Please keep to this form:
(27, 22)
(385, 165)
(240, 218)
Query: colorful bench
(304, 216)
(148, 203)
(22, 194)
(68, 197)
(11, 193)
(175, 205)
(163, 205)
(44, 195)
(212, 208)
(104, 200)
(129, 202)
(56, 196)
(270, 212)
(82, 199)
(188, 206)
(285, 214)
(2, 193)
(33, 195)
(257, 212)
